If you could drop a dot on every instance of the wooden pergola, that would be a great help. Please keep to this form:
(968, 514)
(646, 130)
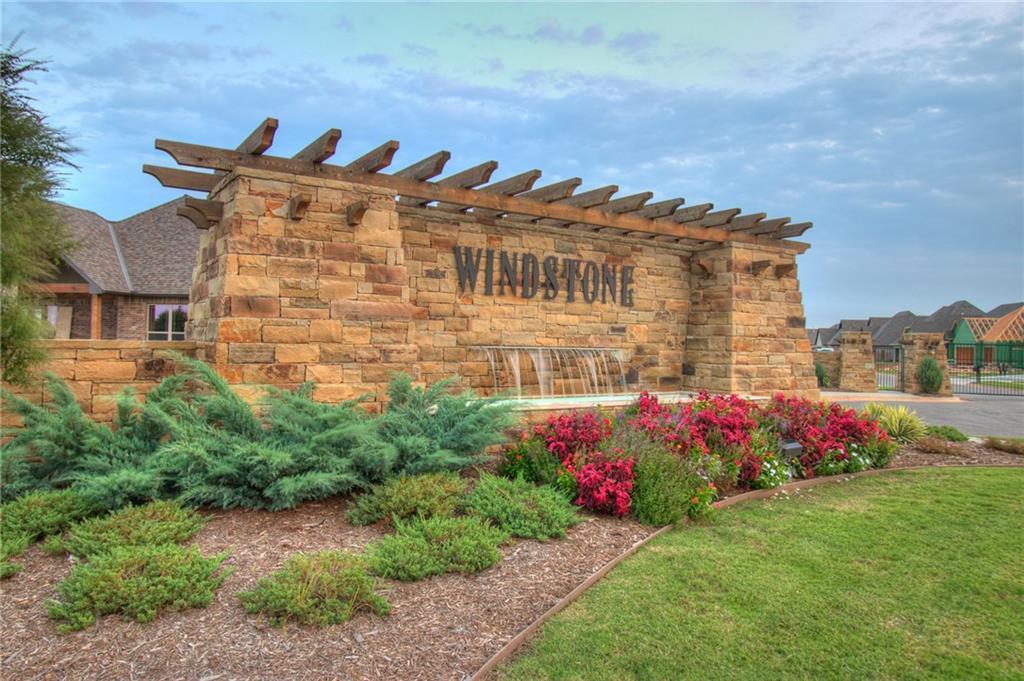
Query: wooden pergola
(471, 191)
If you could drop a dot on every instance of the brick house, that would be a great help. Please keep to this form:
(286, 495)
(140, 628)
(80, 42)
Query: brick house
(126, 279)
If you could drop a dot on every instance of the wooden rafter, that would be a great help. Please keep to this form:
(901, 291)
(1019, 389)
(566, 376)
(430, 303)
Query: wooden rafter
(795, 229)
(741, 222)
(769, 226)
(690, 214)
(517, 184)
(260, 139)
(587, 199)
(719, 217)
(464, 179)
(376, 160)
(426, 168)
(320, 149)
(547, 194)
(534, 203)
(183, 179)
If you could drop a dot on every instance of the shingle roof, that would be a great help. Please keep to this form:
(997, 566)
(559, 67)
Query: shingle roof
(151, 253)
(979, 326)
(1002, 310)
(945, 318)
(159, 249)
(891, 331)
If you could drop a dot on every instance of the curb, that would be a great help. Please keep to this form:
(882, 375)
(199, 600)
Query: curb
(517, 641)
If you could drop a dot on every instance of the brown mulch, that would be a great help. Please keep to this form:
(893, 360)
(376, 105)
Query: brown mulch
(968, 453)
(441, 628)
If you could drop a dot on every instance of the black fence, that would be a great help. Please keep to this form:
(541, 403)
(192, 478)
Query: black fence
(987, 368)
(889, 367)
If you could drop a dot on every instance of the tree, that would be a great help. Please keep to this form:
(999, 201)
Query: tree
(32, 236)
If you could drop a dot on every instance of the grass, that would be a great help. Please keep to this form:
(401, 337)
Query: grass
(906, 575)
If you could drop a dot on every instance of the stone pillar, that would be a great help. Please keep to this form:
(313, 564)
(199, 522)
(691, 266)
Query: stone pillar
(857, 363)
(917, 346)
(829, 360)
(288, 291)
(746, 330)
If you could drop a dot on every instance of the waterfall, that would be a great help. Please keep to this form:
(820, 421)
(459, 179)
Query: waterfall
(549, 372)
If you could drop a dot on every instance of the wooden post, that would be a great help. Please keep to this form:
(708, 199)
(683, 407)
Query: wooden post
(96, 317)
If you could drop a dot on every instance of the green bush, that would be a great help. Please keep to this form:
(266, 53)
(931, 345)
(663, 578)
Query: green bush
(433, 546)
(409, 496)
(137, 581)
(36, 516)
(193, 439)
(520, 508)
(822, 374)
(902, 424)
(530, 460)
(878, 452)
(320, 589)
(664, 484)
(946, 433)
(929, 375)
(156, 523)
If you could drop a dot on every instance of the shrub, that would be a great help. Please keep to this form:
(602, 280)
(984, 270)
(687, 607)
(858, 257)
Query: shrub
(427, 547)
(772, 472)
(1006, 444)
(320, 589)
(902, 424)
(577, 434)
(521, 509)
(878, 450)
(530, 460)
(822, 374)
(156, 523)
(137, 581)
(606, 486)
(936, 445)
(929, 375)
(34, 516)
(946, 433)
(408, 496)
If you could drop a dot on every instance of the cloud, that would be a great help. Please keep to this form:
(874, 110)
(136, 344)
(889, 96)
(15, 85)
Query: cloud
(635, 42)
(420, 51)
(372, 59)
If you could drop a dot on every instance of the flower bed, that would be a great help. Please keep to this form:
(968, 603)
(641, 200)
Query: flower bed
(714, 443)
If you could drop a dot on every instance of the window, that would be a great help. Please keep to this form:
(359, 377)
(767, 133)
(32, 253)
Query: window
(167, 322)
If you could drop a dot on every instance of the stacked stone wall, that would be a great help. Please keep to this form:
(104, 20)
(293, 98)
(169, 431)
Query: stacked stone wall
(917, 346)
(857, 362)
(830, 360)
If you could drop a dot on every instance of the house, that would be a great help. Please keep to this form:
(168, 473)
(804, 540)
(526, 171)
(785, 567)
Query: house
(126, 279)
(990, 339)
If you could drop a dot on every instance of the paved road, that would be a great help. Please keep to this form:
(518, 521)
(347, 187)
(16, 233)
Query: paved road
(978, 415)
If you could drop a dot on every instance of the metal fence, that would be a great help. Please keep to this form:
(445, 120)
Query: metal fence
(889, 367)
(987, 368)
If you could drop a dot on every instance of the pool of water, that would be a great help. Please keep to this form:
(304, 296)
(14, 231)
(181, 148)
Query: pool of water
(587, 401)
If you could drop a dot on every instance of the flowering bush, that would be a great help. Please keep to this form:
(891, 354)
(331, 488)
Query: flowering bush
(702, 501)
(772, 472)
(605, 485)
(573, 436)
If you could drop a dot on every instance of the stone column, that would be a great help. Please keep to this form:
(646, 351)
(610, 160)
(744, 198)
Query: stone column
(857, 363)
(746, 330)
(917, 346)
(303, 280)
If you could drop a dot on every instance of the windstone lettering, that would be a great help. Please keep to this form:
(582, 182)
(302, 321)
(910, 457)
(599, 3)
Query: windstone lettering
(525, 275)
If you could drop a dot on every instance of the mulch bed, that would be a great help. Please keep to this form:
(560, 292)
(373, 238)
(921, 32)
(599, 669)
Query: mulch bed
(441, 628)
(968, 453)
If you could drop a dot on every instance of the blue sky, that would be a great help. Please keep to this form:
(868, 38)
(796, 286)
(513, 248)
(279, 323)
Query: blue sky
(897, 128)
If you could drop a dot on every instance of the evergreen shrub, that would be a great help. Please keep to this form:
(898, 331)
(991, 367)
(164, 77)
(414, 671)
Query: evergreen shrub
(822, 375)
(137, 581)
(154, 524)
(929, 375)
(903, 425)
(319, 589)
(946, 433)
(520, 508)
(433, 546)
(36, 516)
(409, 496)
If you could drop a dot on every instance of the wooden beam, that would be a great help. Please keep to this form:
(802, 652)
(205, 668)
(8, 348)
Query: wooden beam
(464, 179)
(320, 149)
(213, 210)
(183, 179)
(785, 270)
(769, 226)
(758, 266)
(56, 288)
(627, 204)
(375, 160)
(719, 217)
(426, 168)
(223, 159)
(587, 199)
(795, 229)
(517, 184)
(96, 316)
(690, 214)
(745, 221)
(661, 209)
(194, 216)
(547, 194)
(701, 268)
(260, 139)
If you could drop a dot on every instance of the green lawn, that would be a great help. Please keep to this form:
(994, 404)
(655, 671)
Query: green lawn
(907, 575)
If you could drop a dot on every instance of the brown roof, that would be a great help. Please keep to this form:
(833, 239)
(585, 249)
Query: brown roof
(151, 253)
(1009, 327)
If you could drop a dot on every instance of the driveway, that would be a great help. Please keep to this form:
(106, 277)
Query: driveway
(977, 415)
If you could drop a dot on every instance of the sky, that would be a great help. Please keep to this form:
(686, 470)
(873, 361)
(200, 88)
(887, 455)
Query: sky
(898, 129)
